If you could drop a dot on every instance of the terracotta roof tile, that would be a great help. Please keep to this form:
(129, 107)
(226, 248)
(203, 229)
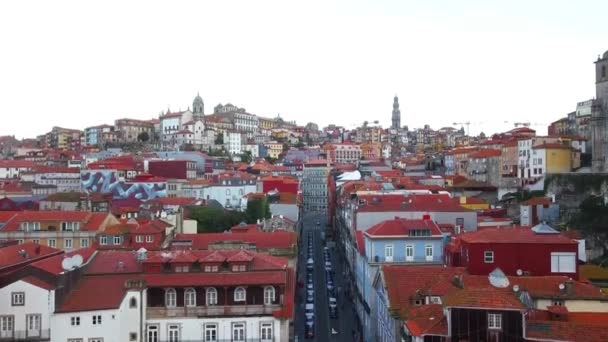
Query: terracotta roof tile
(86, 295)
(514, 235)
(262, 240)
(25, 253)
(401, 227)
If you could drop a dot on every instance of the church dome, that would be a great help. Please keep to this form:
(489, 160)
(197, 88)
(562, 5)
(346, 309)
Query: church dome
(605, 56)
(198, 98)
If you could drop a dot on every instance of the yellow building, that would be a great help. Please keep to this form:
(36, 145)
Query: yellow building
(474, 203)
(274, 149)
(59, 229)
(555, 158)
(279, 133)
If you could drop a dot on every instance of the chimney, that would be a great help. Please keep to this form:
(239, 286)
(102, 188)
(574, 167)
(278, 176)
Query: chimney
(426, 217)
(463, 199)
(569, 284)
(458, 281)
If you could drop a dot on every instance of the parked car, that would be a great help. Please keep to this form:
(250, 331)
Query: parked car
(309, 311)
(309, 331)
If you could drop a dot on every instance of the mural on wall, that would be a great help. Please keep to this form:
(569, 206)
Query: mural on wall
(107, 181)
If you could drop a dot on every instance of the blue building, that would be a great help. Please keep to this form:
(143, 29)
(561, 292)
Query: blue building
(396, 241)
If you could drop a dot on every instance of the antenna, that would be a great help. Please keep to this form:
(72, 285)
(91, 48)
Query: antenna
(519, 272)
(498, 279)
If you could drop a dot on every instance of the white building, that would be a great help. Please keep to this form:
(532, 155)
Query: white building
(253, 148)
(25, 310)
(233, 141)
(12, 168)
(171, 123)
(229, 193)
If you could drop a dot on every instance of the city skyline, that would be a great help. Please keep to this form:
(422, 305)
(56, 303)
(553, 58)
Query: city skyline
(74, 70)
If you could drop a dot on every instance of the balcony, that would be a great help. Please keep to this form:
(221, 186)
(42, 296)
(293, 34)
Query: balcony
(214, 310)
(405, 260)
(23, 335)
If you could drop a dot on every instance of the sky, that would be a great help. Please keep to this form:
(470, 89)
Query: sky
(76, 64)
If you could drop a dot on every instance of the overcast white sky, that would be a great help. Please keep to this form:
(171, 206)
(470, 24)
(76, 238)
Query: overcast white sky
(78, 63)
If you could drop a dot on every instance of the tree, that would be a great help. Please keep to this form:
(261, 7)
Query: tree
(219, 139)
(270, 159)
(257, 209)
(143, 137)
(215, 220)
(246, 157)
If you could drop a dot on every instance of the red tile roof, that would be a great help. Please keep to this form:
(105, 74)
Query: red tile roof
(262, 240)
(413, 202)
(114, 262)
(215, 279)
(21, 164)
(38, 282)
(180, 201)
(591, 325)
(10, 256)
(427, 320)
(360, 242)
(513, 235)
(86, 296)
(537, 201)
(88, 221)
(404, 282)
(487, 153)
(401, 227)
(52, 265)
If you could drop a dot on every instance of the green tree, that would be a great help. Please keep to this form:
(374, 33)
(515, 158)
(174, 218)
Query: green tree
(257, 209)
(271, 160)
(143, 137)
(215, 220)
(246, 157)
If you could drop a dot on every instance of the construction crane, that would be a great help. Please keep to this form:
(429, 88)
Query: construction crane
(527, 124)
(466, 123)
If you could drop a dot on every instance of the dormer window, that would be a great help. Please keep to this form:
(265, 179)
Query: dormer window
(30, 226)
(211, 268)
(70, 226)
(239, 294)
(239, 268)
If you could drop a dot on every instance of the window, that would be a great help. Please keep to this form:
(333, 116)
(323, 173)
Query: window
(132, 336)
(152, 332)
(84, 242)
(409, 253)
(211, 296)
(96, 319)
(428, 252)
(563, 262)
(36, 241)
(18, 298)
(133, 303)
(103, 240)
(435, 300)
(210, 332)
(269, 295)
(494, 321)
(139, 239)
(190, 297)
(117, 239)
(67, 243)
(238, 331)
(96, 339)
(488, 257)
(7, 326)
(227, 192)
(388, 252)
(603, 71)
(182, 269)
(149, 238)
(173, 333)
(239, 294)
(75, 320)
(74, 340)
(52, 243)
(170, 298)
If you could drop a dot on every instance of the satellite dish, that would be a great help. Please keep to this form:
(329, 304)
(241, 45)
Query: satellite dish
(561, 286)
(516, 288)
(66, 264)
(519, 272)
(77, 260)
(498, 279)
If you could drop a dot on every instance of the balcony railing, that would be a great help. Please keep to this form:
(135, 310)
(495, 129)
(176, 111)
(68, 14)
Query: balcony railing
(214, 310)
(403, 259)
(23, 335)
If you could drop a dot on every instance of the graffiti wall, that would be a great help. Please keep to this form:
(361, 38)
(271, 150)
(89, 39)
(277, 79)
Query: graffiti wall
(107, 181)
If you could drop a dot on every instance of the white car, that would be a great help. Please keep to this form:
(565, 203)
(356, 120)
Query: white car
(333, 302)
(309, 311)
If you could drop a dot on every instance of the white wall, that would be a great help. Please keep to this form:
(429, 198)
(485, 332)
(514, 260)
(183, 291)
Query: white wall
(237, 192)
(37, 301)
(116, 324)
(191, 329)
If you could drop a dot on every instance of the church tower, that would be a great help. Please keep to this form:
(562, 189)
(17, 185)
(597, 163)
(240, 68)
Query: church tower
(396, 119)
(599, 117)
(198, 107)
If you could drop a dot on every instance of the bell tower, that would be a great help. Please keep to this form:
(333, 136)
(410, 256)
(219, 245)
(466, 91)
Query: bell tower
(396, 118)
(599, 116)
(198, 107)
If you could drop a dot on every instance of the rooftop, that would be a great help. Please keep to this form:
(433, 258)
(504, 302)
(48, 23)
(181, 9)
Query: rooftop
(514, 235)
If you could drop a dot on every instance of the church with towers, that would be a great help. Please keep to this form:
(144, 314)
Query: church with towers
(184, 127)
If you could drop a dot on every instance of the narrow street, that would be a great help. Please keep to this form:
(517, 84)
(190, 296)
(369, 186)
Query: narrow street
(342, 326)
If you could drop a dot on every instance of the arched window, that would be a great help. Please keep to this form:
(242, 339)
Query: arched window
(239, 294)
(269, 295)
(190, 297)
(603, 71)
(170, 298)
(211, 295)
(133, 302)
